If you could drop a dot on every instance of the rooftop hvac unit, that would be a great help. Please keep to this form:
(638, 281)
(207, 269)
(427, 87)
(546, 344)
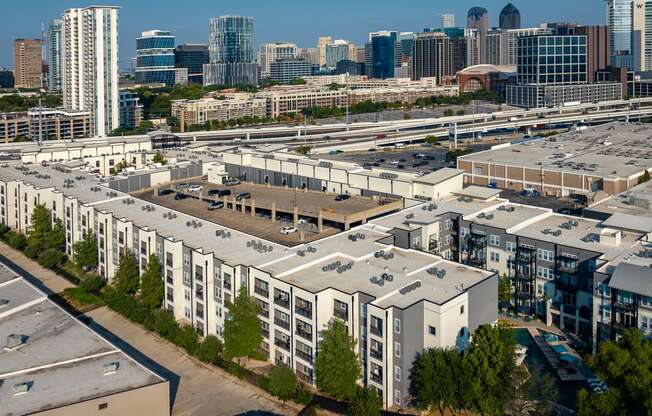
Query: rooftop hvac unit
(14, 341)
(21, 388)
(110, 368)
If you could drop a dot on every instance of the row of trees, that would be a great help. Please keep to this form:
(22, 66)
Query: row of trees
(12, 103)
(46, 238)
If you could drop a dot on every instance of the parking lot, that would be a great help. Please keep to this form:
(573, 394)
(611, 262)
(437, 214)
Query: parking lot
(314, 214)
(431, 158)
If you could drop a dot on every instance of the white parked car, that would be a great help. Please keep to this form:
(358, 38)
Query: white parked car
(288, 230)
(302, 221)
(195, 188)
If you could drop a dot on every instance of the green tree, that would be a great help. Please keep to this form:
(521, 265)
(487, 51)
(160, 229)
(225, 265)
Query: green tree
(17, 241)
(187, 339)
(151, 284)
(159, 158)
(210, 349)
(435, 379)
(298, 81)
(242, 332)
(282, 382)
(606, 403)
(50, 258)
(366, 402)
(165, 325)
(626, 366)
(85, 252)
(127, 279)
(41, 224)
(337, 368)
(431, 139)
(303, 149)
(504, 289)
(644, 177)
(461, 112)
(448, 113)
(57, 236)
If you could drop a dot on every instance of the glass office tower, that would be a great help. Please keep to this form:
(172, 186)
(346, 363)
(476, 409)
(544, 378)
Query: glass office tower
(54, 55)
(192, 57)
(155, 58)
(384, 54)
(619, 19)
(231, 52)
(552, 60)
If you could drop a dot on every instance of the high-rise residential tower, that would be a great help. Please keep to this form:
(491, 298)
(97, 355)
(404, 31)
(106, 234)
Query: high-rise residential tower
(231, 52)
(447, 20)
(619, 20)
(337, 51)
(54, 55)
(432, 56)
(510, 17)
(321, 48)
(272, 52)
(28, 63)
(477, 18)
(155, 58)
(89, 63)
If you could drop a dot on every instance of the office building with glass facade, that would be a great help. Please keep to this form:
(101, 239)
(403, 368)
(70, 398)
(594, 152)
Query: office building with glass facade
(54, 55)
(619, 19)
(192, 57)
(231, 52)
(155, 58)
(287, 70)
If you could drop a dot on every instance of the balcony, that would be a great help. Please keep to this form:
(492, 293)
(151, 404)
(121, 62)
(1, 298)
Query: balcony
(263, 312)
(227, 285)
(282, 344)
(377, 354)
(339, 313)
(304, 355)
(303, 334)
(525, 255)
(566, 286)
(169, 280)
(377, 377)
(567, 267)
(261, 291)
(376, 330)
(282, 301)
(305, 312)
(304, 377)
(477, 262)
(624, 306)
(265, 332)
(282, 323)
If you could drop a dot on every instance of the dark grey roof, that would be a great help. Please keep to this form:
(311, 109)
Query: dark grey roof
(477, 11)
(632, 278)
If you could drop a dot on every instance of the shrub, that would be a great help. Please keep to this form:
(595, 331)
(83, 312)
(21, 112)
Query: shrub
(165, 325)
(17, 241)
(187, 339)
(282, 382)
(50, 258)
(3, 230)
(303, 396)
(32, 251)
(92, 284)
(210, 349)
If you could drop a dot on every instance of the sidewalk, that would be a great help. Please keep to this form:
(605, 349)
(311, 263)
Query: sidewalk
(195, 389)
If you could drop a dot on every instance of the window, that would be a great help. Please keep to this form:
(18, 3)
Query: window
(187, 312)
(397, 326)
(397, 349)
(495, 256)
(464, 232)
(462, 310)
(432, 330)
(494, 240)
(397, 373)
(545, 255)
(397, 397)
(510, 246)
(186, 260)
(604, 290)
(545, 273)
(645, 323)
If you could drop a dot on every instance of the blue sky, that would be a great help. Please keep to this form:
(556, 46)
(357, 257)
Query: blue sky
(300, 21)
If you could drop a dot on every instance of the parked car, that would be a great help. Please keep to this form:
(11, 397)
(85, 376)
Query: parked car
(232, 181)
(163, 192)
(195, 188)
(179, 196)
(215, 205)
(288, 230)
(219, 192)
(181, 186)
(342, 197)
(242, 195)
(302, 221)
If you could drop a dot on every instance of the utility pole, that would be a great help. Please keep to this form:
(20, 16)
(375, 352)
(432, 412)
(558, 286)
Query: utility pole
(40, 121)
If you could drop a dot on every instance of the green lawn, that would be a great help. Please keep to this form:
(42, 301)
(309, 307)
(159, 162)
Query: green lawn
(81, 298)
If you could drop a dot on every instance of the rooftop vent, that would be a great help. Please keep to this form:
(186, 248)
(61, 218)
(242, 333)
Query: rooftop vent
(111, 368)
(409, 288)
(356, 236)
(14, 341)
(21, 388)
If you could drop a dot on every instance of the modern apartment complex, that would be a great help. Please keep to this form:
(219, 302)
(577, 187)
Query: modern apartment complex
(395, 301)
(191, 112)
(28, 63)
(131, 110)
(45, 124)
(89, 64)
(290, 100)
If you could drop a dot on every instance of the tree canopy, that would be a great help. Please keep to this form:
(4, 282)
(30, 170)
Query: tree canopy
(282, 382)
(151, 283)
(366, 402)
(336, 367)
(242, 331)
(127, 278)
(86, 252)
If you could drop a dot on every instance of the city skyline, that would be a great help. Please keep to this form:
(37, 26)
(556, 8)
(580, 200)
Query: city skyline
(276, 25)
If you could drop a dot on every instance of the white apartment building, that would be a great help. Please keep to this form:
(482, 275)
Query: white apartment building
(293, 100)
(272, 52)
(90, 65)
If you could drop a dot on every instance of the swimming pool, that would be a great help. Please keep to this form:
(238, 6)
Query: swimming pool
(559, 349)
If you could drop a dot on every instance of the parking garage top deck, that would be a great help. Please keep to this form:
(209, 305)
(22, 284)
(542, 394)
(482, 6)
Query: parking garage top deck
(614, 150)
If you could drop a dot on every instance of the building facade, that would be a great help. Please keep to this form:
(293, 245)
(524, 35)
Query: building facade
(192, 57)
(271, 52)
(432, 56)
(598, 48)
(6, 78)
(54, 55)
(191, 112)
(90, 65)
(619, 20)
(282, 101)
(337, 51)
(231, 53)
(510, 17)
(46, 124)
(155, 60)
(28, 63)
(287, 70)
(131, 110)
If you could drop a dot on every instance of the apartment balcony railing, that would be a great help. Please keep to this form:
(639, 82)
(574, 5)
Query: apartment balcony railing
(282, 344)
(303, 334)
(568, 268)
(377, 377)
(376, 330)
(304, 355)
(304, 377)
(376, 354)
(262, 292)
(227, 285)
(265, 332)
(305, 312)
(566, 286)
(624, 306)
(283, 324)
(282, 301)
(264, 312)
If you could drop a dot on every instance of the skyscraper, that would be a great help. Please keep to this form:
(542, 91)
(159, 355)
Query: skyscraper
(155, 58)
(510, 17)
(192, 57)
(54, 55)
(383, 52)
(447, 20)
(337, 51)
(619, 19)
(231, 53)
(321, 48)
(598, 52)
(28, 63)
(89, 63)
(639, 34)
(433, 56)
(477, 18)
(272, 52)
